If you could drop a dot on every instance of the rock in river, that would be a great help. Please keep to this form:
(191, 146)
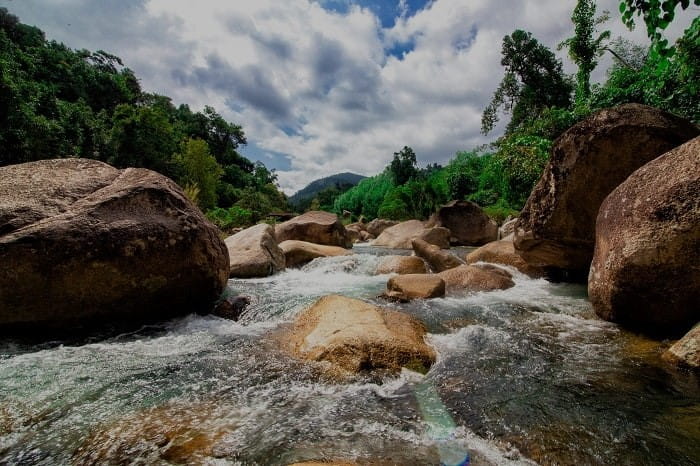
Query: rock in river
(254, 252)
(468, 224)
(503, 252)
(686, 351)
(401, 265)
(82, 243)
(438, 259)
(298, 253)
(400, 236)
(315, 227)
(415, 286)
(473, 278)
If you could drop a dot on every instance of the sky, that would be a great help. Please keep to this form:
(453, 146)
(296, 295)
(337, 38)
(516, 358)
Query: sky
(324, 86)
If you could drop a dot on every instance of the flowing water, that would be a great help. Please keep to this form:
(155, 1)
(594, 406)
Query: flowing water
(526, 375)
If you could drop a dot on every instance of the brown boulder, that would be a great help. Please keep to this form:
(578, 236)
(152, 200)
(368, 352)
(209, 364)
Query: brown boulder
(437, 259)
(556, 229)
(401, 236)
(503, 252)
(84, 244)
(415, 286)
(378, 225)
(354, 336)
(365, 236)
(353, 235)
(686, 351)
(472, 278)
(645, 272)
(356, 226)
(254, 252)
(468, 224)
(401, 265)
(314, 227)
(298, 253)
(507, 229)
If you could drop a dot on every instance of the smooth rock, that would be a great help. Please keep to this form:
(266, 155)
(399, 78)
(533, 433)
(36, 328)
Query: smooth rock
(314, 227)
(378, 225)
(84, 244)
(354, 336)
(438, 259)
(468, 224)
(645, 273)
(686, 351)
(415, 286)
(254, 252)
(401, 236)
(556, 228)
(298, 253)
(503, 252)
(472, 278)
(401, 265)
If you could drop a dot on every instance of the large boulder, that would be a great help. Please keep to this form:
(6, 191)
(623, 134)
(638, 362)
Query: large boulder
(556, 228)
(645, 272)
(314, 227)
(468, 224)
(438, 259)
(254, 252)
(503, 252)
(401, 265)
(400, 236)
(82, 243)
(472, 278)
(415, 286)
(378, 225)
(298, 253)
(354, 336)
(686, 351)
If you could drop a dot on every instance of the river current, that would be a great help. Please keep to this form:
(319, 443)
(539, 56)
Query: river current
(527, 375)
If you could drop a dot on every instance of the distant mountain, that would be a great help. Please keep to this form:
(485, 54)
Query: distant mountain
(342, 181)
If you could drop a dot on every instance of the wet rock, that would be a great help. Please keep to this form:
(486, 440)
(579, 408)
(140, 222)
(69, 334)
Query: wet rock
(314, 227)
(556, 229)
(84, 244)
(354, 336)
(231, 307)
(298, 253)
(378, 225)
(507, 229)
(401, 265)
(472, 278)
(400, 236)
(468, 224)
(254, 252)
(645, 273)
(414, 286)
(686, 351)
(437, 259)
(503, 252)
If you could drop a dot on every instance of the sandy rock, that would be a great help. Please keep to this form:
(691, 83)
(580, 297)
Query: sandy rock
(503, 252)
(314, 227)
(438, 259)
(400, 236)
(415, 286)
(468, 224)
(85, 244)
(556, 228)
(645, 272)
(401, 265)
(298, 253)
(472, 278)
(254, 252)
(686, 351)
(354, 336)
(378, 225)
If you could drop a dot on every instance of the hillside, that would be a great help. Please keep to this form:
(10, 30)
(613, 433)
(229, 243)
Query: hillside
(340, 181)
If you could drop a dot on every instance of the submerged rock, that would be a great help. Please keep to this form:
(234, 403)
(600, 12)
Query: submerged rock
(472, 278)
(415, 286)
(84, 244)
(556, 228)
(686, 351)
(298, 253)
(438, 259)
(401, 236)
(468, 224)
(401, 265)
(503, 252)
(378, 225)
(354, 336)
(645, 272)
(314, 227)
(254, 252)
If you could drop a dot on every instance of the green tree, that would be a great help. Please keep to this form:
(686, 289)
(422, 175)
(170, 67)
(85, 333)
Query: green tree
(199, 168)
(403, 167)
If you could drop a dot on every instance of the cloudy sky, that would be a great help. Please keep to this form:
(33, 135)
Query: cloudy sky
(322, 86)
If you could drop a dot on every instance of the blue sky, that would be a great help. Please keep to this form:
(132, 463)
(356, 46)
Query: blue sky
(323, 86)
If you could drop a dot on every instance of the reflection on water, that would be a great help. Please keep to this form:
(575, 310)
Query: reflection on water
(525, 374)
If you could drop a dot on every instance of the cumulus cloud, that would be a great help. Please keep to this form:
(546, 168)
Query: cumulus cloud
(326, 86)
